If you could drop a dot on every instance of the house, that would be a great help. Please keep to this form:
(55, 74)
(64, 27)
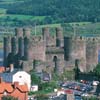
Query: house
(16, 90)
(17, 76)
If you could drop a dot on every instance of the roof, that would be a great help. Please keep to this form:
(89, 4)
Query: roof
(23, 88)
(8, 87)
(5, 87)
(2, 69)
(7, 77)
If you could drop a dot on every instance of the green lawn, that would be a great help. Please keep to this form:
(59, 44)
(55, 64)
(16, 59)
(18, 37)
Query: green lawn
(10, 1)
(2, 11)
(21, 17)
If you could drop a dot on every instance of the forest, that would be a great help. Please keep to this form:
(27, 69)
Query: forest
(58, 11)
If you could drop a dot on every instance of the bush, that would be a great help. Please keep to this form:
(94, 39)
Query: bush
(9, 98)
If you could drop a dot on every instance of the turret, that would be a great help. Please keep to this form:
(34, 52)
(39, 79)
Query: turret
(26, 48)
(59, 37)
(20, 46)
(19, 32)
(91, 53)
(7, 49)
(45, 33)
(14, 45)
(26, 32)
(67, 48)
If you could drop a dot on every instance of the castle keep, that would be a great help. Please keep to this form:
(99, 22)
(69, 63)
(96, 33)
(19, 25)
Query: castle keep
(50, 53)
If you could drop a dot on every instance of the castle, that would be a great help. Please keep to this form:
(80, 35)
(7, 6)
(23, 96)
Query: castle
(53, 53)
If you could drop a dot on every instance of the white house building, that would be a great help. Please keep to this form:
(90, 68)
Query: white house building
(17, 76)
(23, 78)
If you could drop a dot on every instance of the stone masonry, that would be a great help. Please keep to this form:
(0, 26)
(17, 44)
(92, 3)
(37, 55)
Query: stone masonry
(50, 53)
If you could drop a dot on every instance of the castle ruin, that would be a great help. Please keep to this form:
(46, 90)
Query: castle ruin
(54, 53)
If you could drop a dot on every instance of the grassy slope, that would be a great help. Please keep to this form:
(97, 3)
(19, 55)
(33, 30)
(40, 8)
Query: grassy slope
(21, 17)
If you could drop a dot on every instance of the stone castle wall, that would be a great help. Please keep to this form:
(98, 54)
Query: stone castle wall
(27, 48)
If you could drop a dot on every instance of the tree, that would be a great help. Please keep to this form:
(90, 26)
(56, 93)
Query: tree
(97, 71)
(42, 97)
(9, 98)
(34, 78)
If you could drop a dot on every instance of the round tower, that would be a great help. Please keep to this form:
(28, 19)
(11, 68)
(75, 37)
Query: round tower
(45, 33)
(91, 54)
(59, 37)
(20, 46)
(26, 32)
(26, 48)
(7, 49)
(67, 48)
(18, 32)
(14, 45)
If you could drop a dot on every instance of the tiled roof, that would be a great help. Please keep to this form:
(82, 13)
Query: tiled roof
(23, 88)
(2, 69)
(8, 87)
(5, 87)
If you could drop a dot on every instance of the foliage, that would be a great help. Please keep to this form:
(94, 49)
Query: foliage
(42, 97)
(90, 98)
(66, 75)
(9, 98)
(34, 78)
(65, 11)
(97, 70)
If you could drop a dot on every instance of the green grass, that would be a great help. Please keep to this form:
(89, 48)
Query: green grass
(21, 17)
(10, 1)
(2, 11)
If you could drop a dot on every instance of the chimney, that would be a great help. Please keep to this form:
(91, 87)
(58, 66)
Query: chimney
(11, 67)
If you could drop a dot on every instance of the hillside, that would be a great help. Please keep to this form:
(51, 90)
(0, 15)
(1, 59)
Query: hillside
(59, 11)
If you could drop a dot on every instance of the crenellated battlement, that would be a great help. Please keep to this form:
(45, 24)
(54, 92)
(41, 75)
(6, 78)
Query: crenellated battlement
(27, 47)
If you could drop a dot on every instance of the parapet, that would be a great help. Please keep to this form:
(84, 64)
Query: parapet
(26, 32)
(59, 32)
(19, 32)
(45, 32)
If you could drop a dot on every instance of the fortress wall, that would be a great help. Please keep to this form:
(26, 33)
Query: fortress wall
(91, 54)
(37, 51)
(75, 48)
(51, 41)
(80, 52)
(98, 50)
(60, 60)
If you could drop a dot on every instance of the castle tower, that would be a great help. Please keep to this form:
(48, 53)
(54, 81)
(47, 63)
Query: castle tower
(59, 37)
(26, 32)
(91, 54)
(80, 52)
(20, 46)
(7, 49)
(45, 33)
(26, 48)
(67, 48)
(14, 45)
(19, 32)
